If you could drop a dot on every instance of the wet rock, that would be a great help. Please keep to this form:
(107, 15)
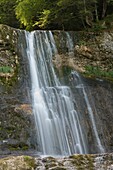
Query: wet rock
(17, 129)
(17, 163)
(16, 119)
(74, 162)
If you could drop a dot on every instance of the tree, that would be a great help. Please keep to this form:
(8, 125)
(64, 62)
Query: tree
(7, 13)
(28, 10)
(56, 14)
(83, 11)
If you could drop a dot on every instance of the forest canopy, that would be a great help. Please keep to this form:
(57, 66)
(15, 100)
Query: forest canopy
(57, 14)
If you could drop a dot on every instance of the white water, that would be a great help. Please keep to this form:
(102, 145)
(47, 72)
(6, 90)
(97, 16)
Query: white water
(70, 45)
(90, 111)
(58, 128)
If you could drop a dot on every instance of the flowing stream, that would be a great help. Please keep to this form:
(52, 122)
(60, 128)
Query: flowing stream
(59, 131)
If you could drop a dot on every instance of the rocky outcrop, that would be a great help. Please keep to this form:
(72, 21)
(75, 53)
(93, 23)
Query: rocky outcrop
(95, 49)
(17, 129)
(74, 162)
(98, 97)
(8, 55)
(18, 163)
(16, 118)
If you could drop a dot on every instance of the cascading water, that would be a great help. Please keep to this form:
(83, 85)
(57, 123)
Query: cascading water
(80, 85)
(81, 88)
(70, 45)
(57, 120)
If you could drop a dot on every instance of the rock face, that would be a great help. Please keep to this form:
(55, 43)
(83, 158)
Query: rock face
(95, 49)
(17, 163)
(17, 130)
(16, 119)
(98, 92)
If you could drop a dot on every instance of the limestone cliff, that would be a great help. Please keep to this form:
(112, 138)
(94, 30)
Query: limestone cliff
(17, 130)
(15, 108)
(90, 48)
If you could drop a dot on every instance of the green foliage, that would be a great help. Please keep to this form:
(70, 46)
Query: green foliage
(98, 27)
(43, 19)
(66, 70)
(109, 21)
(7, 13)
(96, 71)
(6, 69)
(30, 161)
(27, 11)
(82, 42)
(57, 14)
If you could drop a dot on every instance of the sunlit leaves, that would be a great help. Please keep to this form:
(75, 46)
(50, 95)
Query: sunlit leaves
(27, 10)
(43, 20)
(55, 14)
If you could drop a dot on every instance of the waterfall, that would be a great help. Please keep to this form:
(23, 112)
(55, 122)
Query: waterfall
(80, 86)
(70, 45)
(57, 120)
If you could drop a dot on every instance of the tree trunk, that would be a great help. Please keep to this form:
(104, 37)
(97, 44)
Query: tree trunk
(104, 8)
(96, 13)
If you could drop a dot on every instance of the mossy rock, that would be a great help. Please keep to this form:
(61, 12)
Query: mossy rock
(9, 65)
(18, 163)
(83, 162)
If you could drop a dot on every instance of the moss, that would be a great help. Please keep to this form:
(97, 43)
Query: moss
(51, 162)
(30, 161)
(1, 128)
(64, 71)
(9, 68)
(9, 81)
(6, 69)
(25, 147)
(20, 146)
(91, 76)
(13, 149)
(83, 162)
(96, 72)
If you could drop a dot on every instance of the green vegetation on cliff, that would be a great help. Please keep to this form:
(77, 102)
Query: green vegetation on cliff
(57, 14)
(6, 69)
(98, 72)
